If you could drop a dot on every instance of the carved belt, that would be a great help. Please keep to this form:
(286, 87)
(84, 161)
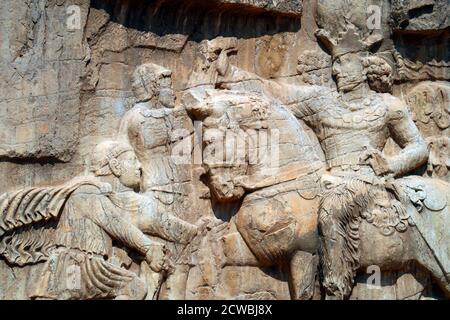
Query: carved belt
(348, 161)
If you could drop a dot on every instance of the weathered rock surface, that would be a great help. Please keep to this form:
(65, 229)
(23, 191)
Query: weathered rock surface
(420, 15)
(229, 149)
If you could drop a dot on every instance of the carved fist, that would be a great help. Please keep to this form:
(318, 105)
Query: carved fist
(208, 223)
(158, 258)
(203, 223)
(378, 162)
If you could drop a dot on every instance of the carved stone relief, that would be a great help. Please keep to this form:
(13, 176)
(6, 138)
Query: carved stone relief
(224, 150)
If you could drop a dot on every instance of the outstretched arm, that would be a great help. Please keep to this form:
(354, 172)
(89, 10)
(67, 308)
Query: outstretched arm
(302, 100)
(164, 225)
(103, 213)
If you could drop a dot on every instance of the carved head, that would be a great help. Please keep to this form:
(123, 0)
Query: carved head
(348, 52)
(117, 158)
(211, 49)
(348, 71)
(151, 82)
(235, 136)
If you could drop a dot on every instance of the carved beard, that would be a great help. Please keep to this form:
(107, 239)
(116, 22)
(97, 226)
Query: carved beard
(166, 98)
(349, 82)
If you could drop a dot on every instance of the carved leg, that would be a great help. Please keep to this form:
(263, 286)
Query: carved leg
(135, 289)
(339, 236)
(432, 266)
(152, 279)
(303, 267)
(426, 259)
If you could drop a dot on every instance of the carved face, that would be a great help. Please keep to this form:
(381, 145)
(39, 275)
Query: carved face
(148, 86)
(128, 169)
(166, 94)
(348, 71)
(144, 86)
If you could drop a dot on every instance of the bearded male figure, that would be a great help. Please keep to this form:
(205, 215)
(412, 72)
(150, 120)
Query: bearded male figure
(151, 128)
(353, 127)
(361, 183)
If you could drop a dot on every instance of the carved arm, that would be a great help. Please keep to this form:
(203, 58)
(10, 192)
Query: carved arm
(414, 151)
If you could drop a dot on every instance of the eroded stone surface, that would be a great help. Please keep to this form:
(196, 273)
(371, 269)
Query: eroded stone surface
(224, 150)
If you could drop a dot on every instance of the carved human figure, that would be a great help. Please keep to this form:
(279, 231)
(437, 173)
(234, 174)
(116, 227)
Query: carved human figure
(360, 197)
(147, 125)
(353, 126)
(152, 126)
(84, 217)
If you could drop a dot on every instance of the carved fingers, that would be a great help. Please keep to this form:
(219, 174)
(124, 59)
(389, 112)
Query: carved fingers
(378, 161)
(159, 259)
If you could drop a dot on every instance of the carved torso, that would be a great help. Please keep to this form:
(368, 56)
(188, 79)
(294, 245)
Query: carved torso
(76, 231)
(345, 130)
(148, 131)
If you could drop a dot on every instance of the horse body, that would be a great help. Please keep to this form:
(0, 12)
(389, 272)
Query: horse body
(277, 186)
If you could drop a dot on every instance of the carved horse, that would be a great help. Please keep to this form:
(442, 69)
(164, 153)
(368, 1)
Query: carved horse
(278, 205)
(274, 182)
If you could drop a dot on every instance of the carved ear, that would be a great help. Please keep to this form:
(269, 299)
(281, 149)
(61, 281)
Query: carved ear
(115, 167)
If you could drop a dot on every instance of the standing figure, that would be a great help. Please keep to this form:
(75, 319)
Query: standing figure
(151, 127)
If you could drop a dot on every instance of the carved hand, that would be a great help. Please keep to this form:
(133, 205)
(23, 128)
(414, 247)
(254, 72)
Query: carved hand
(378, 161)
(209, 223)
(158, 258)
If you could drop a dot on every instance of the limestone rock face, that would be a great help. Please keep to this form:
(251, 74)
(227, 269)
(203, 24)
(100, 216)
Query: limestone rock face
(41, 66)
(227, 149)
(283, 6)
(420, 15)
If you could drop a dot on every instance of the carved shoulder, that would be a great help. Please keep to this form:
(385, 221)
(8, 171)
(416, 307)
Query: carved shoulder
(129, 121)
(90, 200)
(89, 190)
(397, 109)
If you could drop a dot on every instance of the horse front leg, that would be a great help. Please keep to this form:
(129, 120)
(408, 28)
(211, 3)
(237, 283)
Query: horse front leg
(302, 275)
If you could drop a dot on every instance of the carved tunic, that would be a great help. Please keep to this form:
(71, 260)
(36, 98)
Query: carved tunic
(345, 133)
(81, 264)
(90, 219)
(148, 131)
(345, 130)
